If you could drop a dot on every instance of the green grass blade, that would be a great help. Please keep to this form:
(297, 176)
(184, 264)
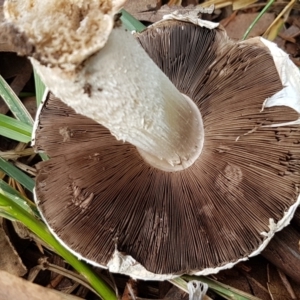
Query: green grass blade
(14, 103)
(9, 189)
(16, 174)
(18, 201)
(222, 289)
(44, 156)
(15, 129)
(130, 22)
(7, 216)
(39, 88)
(180, 283)
(13, 210)
(14, 135)
(10, 192)
(257, 19)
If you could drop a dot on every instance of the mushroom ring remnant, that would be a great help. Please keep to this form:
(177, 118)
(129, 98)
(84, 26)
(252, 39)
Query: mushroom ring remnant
(114, 210)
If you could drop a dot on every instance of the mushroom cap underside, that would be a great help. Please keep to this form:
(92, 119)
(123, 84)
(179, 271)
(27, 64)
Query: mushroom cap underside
(98, 195)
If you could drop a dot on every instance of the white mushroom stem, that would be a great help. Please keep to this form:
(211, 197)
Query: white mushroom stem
(121, 88)
(103, 73)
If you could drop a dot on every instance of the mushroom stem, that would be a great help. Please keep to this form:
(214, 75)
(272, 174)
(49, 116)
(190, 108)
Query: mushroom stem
(121, 88)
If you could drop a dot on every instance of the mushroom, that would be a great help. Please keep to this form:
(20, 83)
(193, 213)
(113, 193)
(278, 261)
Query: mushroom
(120, 196)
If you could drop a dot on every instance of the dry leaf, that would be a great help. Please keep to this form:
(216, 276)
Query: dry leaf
(136, 8)
(13, 67)
(275, 286)
(9, 258)
(247, 277)
(13, 287)
(174, 2)
(130, 292)
(283, 252)
(238, 25)
(239, 4)
(287, 284)
(274, 28)
(176, 294)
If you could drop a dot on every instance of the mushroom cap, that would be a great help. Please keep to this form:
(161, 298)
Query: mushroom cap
(112, 209)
